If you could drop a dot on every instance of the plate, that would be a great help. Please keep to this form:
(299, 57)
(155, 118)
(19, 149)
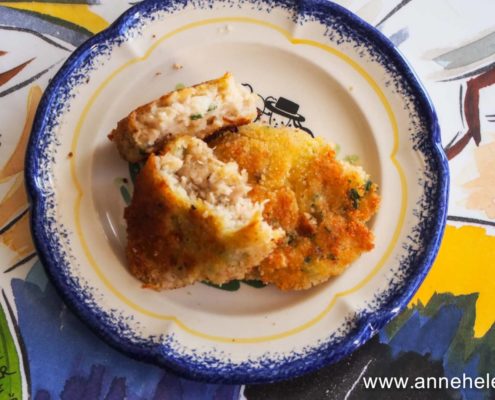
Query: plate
(313, 65)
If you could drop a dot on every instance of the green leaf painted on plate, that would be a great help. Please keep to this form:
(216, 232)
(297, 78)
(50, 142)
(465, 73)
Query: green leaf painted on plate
(231, 286)
(134, 169)
(125, 194)
(254, 283)
(10, 373)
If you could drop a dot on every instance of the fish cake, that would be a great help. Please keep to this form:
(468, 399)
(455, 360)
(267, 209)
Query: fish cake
(197, 111)
(191, 219)
(321, 203)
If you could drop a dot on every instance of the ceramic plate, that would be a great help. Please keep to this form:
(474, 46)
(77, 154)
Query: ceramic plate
(314, 65)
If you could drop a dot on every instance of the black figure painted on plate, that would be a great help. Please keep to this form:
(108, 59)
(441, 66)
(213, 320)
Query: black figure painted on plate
(280, 112)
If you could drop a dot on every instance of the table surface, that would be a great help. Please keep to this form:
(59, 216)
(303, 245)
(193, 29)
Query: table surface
(446, 331)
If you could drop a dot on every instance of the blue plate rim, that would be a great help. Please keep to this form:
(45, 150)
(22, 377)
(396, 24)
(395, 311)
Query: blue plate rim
(367, 325)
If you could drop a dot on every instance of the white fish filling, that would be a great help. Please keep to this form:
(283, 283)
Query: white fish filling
(194, 170)
(209, 109)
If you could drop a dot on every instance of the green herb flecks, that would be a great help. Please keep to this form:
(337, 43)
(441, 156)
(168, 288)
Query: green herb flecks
(179, 86)
(355, 197)
(291, 238)
(212, 107)
(194, 117)
(367, 186)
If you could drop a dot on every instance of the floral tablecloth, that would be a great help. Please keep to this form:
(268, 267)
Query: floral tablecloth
(448, 328)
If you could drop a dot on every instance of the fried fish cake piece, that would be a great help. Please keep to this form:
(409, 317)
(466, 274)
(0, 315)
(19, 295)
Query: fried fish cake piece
(191, 219)
(198, 111)
(322, 203)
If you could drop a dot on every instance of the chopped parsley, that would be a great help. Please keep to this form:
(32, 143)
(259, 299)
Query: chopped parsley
(352, 158)
(367, 186)
(291, 238)
(194, 117)
(212, 107)
(355, 197)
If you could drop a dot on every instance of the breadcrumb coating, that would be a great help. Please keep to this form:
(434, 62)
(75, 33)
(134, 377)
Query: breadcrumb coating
(321, 203)
(191, 219)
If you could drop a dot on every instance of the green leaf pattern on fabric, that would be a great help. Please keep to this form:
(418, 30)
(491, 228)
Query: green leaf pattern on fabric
(10, 371)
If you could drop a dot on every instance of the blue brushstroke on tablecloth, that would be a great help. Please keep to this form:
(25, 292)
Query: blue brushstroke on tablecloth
(80, 365)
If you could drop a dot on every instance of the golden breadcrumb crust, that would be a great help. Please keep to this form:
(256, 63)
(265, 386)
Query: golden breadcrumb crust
(322, 203)
(171, 243)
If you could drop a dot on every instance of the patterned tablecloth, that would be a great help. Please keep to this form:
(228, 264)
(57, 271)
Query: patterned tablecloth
(447, 330)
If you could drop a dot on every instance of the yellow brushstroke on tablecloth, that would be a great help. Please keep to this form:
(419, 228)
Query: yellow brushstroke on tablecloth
(15, 163)
(482, 189)
(18, 237)
(79, 14)
(14, 202)
(465, 264)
